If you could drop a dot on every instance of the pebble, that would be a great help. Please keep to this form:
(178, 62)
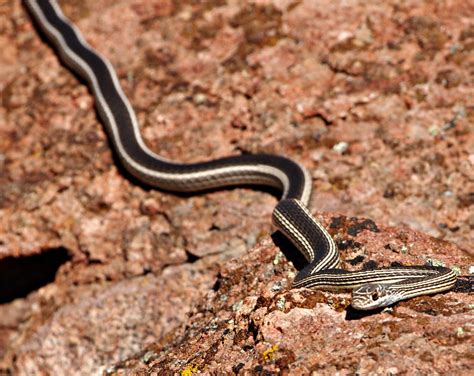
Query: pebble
(340, 147)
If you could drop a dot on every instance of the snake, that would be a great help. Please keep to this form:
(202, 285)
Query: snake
(371, 288)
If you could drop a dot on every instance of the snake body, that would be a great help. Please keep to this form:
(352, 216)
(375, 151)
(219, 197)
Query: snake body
(371, 288)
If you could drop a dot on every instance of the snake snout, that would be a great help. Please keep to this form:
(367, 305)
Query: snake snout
(371, 296)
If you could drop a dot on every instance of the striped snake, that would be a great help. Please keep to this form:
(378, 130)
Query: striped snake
(371, 288)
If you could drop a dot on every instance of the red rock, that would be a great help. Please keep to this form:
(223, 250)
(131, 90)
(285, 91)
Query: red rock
(214, 79)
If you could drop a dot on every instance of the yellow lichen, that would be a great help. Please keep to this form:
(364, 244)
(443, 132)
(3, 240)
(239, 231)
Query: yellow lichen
(189, 371)
(268, 354)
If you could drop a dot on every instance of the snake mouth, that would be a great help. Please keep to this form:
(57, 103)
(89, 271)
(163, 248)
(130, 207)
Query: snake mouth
(365, 305)
(370, 296)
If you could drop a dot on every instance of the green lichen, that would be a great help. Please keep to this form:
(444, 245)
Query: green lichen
(281, 303)
(149, 356)
(434, 262)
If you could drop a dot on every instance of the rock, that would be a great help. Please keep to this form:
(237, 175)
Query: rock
(139, 280)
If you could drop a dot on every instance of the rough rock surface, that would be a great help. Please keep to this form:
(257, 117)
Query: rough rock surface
(100, 273)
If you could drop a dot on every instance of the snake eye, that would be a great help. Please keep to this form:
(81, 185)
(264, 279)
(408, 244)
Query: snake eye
(375, 295)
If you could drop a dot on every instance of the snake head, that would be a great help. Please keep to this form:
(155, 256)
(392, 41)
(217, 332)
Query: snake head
(373, 296)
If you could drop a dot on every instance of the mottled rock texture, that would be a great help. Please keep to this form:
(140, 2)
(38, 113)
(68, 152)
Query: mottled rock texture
(100, 274)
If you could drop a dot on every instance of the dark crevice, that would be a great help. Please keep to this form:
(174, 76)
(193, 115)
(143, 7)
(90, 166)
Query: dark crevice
(253, 329)
(191, 258)
(20, 276)
(218, 283)
(321, 117)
